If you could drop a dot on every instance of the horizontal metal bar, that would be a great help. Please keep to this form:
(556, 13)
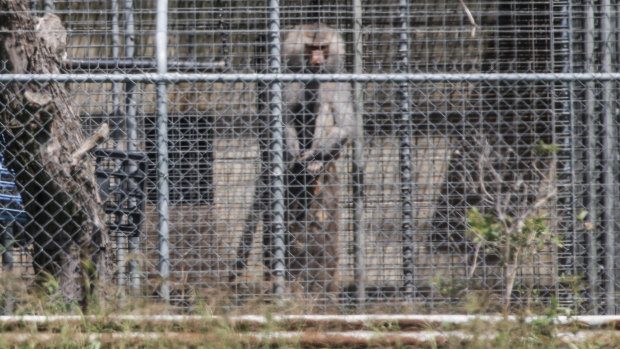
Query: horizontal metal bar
(391, 78)
(104, 153)
(109, 64)
(456, 319)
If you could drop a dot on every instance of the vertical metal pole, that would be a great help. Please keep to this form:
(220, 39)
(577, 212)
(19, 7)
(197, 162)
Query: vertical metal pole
(224, 33)
(116, 87)
(131, 124)
(568, 258)
(121, 239)
(276, 151)
(48, 6)
(163, 199)
(609, 158)
(130, 87)
(592, 159)
(404, 133)
(359, 238)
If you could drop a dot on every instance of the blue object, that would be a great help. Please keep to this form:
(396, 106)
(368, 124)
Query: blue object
(10, 200)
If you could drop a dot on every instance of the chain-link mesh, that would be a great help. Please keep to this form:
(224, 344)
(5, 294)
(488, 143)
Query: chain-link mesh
(460, 153)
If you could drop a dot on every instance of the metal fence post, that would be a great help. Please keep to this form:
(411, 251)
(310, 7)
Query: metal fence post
(569, 260)
(591, 162)
(48, 6)
(132, 130)
(276, 153)
(359, 273)
(163, 199)
(130, 86)
(404, 133)
(121, 240)
(116, 88)
(609, 158)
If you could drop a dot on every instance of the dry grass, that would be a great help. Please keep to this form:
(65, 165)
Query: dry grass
(128, 321)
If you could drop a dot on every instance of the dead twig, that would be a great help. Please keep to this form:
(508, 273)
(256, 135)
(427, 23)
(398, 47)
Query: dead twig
(97, 138)
(470, 17)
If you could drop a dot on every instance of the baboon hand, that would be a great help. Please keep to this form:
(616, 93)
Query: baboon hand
(314, 166)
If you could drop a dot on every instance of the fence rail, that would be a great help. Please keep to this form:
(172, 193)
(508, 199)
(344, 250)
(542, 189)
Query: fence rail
(362, 78)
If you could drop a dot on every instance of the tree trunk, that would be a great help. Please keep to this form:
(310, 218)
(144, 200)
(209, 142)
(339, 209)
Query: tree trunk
(47, 149)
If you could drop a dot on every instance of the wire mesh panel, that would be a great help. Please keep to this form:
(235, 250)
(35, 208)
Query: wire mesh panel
(346, 156)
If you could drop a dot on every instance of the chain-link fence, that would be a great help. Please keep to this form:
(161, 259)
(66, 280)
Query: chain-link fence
(457, 152)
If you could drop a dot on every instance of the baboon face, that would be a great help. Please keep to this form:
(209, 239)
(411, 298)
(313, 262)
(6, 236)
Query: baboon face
(313, 48)
(316, 56)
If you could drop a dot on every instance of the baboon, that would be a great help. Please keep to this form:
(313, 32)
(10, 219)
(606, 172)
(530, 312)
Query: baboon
(318, 122)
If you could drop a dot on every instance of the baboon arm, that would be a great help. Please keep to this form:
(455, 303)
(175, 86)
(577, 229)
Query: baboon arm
(292, 143)
(335, 124)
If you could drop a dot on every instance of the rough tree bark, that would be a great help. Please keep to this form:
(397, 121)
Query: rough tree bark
(47, 149)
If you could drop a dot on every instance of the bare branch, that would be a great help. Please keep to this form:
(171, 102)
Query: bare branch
(470, 17)
(97, 138)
